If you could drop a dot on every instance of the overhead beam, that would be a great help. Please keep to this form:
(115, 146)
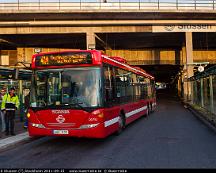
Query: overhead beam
(105, 22)
(65, 30)
(104, 44)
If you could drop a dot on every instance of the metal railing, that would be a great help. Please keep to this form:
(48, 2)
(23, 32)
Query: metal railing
(203, 87)
(107, 4)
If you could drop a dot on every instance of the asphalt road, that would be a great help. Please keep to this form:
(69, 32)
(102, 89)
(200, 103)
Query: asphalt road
(171, 137)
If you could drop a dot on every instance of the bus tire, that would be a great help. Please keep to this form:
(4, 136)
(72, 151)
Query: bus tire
(151, 109)
(147, 111)
(121, 123)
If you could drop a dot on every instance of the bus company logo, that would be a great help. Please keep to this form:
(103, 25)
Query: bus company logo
(60, 119)
(169, 27)
(60, 111)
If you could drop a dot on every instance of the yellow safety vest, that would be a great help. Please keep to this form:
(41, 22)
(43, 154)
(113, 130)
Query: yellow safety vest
(10, 103)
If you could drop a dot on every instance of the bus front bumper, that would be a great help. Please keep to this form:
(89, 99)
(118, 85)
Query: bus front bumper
(89, 131)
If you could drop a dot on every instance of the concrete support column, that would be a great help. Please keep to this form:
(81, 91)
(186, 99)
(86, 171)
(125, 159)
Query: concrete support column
(189, 61)
(211, 94)
(179, 87)
(90, 40)
(201, 92)
(195, 92)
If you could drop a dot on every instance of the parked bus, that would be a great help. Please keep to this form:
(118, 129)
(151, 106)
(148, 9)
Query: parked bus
(86, 94)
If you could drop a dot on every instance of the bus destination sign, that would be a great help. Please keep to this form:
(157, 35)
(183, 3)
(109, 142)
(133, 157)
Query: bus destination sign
(68, 58)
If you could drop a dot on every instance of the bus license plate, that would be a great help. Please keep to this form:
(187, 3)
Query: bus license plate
(60, 132)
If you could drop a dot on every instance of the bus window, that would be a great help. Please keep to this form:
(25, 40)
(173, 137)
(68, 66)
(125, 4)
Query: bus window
(109, 83)
(67, 86)
(120, 83)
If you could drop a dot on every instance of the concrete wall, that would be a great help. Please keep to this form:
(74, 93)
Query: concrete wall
(134, 57)
(158, 56)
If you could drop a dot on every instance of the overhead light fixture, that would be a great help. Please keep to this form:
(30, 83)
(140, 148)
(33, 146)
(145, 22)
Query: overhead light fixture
(37, 50)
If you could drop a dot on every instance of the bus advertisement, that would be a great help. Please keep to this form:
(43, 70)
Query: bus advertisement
(86, 94)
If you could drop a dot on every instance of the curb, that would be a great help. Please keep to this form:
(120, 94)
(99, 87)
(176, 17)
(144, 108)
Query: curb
(200, 116)
(13, 140)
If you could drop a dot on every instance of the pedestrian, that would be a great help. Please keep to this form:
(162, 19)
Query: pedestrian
(10, 104)
(2, 115)
(26, 106)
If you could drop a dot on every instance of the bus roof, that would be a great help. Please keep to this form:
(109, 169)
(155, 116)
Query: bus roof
(122, 64)
(97, 59)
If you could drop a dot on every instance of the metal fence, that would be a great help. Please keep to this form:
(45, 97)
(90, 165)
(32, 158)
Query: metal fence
(204, 91)
(107, 4)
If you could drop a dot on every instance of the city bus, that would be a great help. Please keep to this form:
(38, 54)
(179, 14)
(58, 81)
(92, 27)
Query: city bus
(86, 93)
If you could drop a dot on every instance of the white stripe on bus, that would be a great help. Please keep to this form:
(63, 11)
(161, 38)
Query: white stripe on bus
(110, 122)
(135, 111)
(116, 119)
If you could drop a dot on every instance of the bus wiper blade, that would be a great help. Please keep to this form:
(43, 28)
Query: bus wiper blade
(77, 104)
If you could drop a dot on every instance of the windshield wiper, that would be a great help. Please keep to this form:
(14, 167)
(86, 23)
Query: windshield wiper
(77, 104)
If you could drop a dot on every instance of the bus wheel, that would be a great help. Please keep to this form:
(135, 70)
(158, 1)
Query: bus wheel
(121, 123)
(147, 111)
(151, 109)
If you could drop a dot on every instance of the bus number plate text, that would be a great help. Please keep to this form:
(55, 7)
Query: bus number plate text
(60, 132)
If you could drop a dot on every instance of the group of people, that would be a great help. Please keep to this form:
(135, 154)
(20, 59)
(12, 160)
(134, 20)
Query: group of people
(10, 103)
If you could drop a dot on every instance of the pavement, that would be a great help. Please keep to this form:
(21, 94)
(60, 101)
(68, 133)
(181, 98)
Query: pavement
(21, 135)
(202, 115)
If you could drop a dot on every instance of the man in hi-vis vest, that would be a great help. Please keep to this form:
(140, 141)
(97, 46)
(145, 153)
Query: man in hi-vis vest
(10, 104)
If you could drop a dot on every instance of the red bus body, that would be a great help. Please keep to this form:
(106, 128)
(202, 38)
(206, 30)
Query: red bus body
(97, 123)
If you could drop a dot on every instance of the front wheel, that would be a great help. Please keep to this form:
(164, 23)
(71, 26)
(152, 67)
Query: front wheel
(147, 111)
(121, 123)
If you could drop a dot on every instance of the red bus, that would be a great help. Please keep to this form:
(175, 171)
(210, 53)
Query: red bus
(86, 94)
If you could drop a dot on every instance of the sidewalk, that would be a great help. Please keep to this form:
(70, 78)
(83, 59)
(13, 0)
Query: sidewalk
(21, 135)
(202, 114)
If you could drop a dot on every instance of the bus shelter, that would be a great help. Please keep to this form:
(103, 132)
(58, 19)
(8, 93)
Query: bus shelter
(21, 81)
(203, 86)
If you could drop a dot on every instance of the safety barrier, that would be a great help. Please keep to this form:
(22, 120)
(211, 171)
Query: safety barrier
(107, 4)
(203, 89)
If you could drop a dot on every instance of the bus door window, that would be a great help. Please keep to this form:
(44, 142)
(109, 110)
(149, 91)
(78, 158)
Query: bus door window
(138, 88)
(129, 85)
(109, 83)
(152, 86)
(134, 85)
(40, 100)
(145, 87)
(120, 83)
(54, 88)
(148, 87)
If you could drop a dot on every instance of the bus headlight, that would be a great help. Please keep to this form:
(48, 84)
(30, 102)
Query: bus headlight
(87, 126)
(41, 126)
(28, 115)
(98, 113)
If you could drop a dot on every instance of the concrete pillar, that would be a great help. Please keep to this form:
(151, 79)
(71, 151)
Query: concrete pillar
(195, 92)
(201, 90)
(90, 40)
(179, 86)
(211, 94)
(189, 61)
(177, 57)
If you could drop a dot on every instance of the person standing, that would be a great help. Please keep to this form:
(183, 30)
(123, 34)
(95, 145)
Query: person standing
(26, 106)
(2, 116)
(10, 104)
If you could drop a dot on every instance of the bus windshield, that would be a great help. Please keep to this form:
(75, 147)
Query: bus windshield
(66, 87)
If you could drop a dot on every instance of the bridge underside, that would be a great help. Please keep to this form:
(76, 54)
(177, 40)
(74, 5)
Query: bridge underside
(125, 33)
(115, 41)
(157, 53)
